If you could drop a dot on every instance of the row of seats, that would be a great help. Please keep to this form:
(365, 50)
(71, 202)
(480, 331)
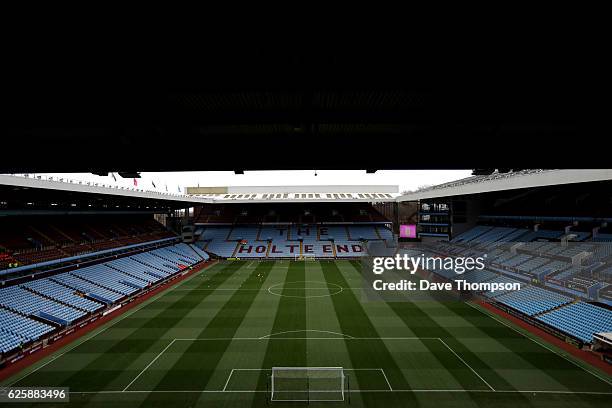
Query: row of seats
(533, 300)
(70, 296)
(49, 288)
(28, 303)
(580, 320)
(16, 330)
(543, 262)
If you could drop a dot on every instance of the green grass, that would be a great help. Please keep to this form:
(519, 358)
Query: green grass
(212, 339)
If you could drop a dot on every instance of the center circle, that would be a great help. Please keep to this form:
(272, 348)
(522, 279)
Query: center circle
(291, 289)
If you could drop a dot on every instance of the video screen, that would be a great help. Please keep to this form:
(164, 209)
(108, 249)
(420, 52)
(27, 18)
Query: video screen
(407, 231)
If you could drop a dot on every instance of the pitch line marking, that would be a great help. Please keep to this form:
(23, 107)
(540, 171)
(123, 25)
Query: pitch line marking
(386, 379)
(466, 364)
(382, 371)
(304, 338)
(228, 379)
(490, 315)
(93, 334)
(268, 336)
(553, 392)
(150, 364)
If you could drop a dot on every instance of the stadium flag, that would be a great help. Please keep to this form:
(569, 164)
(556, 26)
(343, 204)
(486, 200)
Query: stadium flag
(114, 177)
(154, 186)
(135, 183)
(166, 188)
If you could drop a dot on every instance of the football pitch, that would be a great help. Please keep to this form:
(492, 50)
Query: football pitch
(212, 339)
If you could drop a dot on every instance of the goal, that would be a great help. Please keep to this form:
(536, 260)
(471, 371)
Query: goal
(306, 257)
(307, 384)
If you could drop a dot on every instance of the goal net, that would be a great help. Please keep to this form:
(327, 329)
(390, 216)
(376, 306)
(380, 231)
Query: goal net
(307, 384)
(306, 257)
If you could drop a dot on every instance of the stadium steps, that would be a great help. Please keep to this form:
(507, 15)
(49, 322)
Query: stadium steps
(198, 256)
(147, 265)
(76, 291)
(39, 232)
(377, 232)
(198, 251)
(162, 257)
(62, 233)
(235, 249)
(348, 233)
(194, 258)
(53, 299)
(97, 284)
(556, 308)
(229, 233)
(258, 236)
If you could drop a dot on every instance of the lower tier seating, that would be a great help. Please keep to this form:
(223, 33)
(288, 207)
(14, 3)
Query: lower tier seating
(67, 297)
(580, 320)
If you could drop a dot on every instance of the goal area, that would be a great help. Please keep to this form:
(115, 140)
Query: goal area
(308, 384)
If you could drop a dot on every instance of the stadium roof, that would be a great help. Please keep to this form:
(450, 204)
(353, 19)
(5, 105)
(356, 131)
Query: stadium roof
(295, 194)
(509, 181)
(49, 190)
(248, 108)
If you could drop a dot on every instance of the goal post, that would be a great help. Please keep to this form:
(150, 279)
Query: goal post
(307, 384)
(305, 257)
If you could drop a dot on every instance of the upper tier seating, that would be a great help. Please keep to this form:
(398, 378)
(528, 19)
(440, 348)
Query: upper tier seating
(274, 232)
(469, 235)
(240, 233)
(358, 232)
(338, 233)
(32, 240)
(385, 233)
(478, 276)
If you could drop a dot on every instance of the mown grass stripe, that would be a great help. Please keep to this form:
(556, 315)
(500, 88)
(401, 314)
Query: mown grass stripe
(409, 312)
(110, 364)
(191, 373)
(290, 315)
(564, 372)
(355, 322)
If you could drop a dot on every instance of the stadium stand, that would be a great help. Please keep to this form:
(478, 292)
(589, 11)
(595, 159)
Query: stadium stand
(16, 329)
(533, 300)
(580, 320)
(32, 240)
(540, 258)
(61, 294)
(65, 298)
(28, 303)
(287, 241)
